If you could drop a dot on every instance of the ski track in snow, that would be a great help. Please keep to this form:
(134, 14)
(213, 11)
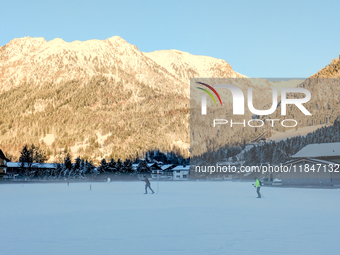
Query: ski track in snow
(184, 218)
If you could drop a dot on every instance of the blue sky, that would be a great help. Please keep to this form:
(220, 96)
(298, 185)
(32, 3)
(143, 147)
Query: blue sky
(258, 38)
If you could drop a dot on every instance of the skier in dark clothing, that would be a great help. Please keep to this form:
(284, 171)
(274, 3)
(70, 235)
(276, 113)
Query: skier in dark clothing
(147, 185)
(257, 186)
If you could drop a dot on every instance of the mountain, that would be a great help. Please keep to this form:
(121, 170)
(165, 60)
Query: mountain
(185, 65)
(36, 61)
(322, 127)
(211, 145)
(325, 89)
(324, 104)
(330, 71)
(97, 98)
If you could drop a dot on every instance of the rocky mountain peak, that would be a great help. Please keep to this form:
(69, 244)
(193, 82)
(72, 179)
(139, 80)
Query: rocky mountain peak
(37, 61)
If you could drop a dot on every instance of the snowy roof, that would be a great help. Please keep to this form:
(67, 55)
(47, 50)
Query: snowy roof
(164, 167)
(134, 166)
(181, 168)
(34, 165)
(326, 162)
(319, 150)
(13, 164)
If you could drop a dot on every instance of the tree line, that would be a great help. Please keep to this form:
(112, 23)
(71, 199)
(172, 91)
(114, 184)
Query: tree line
(82, 168)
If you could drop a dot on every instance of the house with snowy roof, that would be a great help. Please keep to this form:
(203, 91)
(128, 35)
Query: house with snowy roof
(314, 164)
(164, 172)
(167, 167)
(17, 167)
(181, 172)
(323, 151)
(152, 166)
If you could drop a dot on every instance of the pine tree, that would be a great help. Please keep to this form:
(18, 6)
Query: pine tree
(119, 166)
(103, 166)
(76, 166)
(112, 166)
(128, 166)
(26, 157)
(82, 168)
(39, 156)
(251, 157)
(67, 162)
(276, 160)
(92, 169)
(86, 167)
(143, 167)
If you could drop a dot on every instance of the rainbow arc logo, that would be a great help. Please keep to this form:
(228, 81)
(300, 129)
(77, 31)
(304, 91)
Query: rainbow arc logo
(209, 93)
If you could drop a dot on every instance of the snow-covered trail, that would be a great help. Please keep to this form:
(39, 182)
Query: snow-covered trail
(184, 218)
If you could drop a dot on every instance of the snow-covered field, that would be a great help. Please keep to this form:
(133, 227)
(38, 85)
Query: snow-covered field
(184, 218)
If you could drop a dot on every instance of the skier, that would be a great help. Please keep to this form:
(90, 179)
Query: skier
(147, 185)
(257, 186)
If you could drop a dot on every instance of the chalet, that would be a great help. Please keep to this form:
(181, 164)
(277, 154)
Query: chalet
(167, 169)
(152, 166)
(163, 173)
(17, 167)
(323, 151)
(181, 172)
(315, 164)
(3, 164)
(155, 169)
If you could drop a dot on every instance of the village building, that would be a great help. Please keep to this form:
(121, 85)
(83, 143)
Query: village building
(315, 164)
(181, 172)
(163, 173)
(14, 168)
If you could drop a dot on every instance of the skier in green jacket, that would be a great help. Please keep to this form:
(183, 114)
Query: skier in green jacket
(257, 186)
